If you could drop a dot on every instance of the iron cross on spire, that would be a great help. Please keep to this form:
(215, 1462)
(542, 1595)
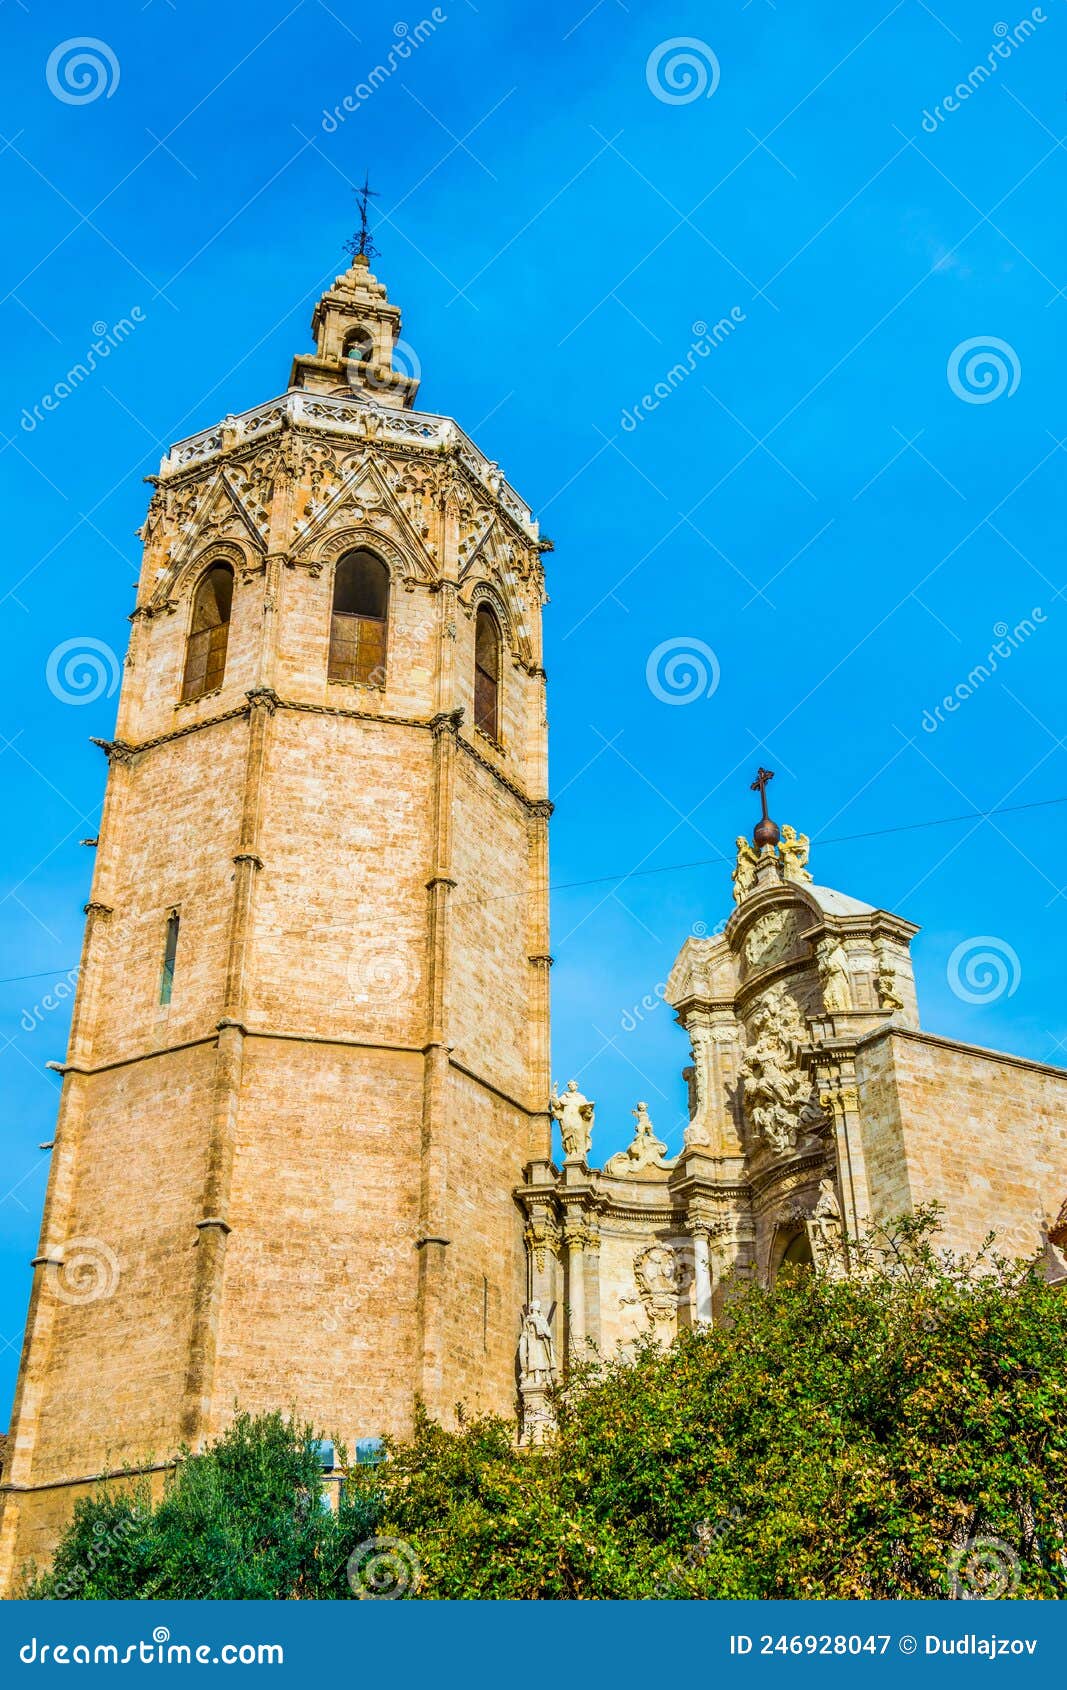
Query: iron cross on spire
(766, 831)
(763, 777)
(361, 245)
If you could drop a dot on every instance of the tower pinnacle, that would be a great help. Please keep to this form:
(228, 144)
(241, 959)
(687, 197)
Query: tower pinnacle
(356, 333)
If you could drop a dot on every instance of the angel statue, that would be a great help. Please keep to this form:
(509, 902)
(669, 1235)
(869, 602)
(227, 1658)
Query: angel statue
(744, 875)
(793, 850)
(575, 1116)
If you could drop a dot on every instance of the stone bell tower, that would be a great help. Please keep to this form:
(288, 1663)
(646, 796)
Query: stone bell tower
(309, 1054)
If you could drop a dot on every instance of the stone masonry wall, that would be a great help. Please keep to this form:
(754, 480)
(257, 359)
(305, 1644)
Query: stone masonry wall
(984, 1133)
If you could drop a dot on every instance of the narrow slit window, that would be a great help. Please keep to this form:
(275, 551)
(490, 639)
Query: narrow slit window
(170, 957)
(360, 620)
(209, 632)
(487, 673)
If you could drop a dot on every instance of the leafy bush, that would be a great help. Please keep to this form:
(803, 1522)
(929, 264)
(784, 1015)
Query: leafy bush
(245, 1519)
(900, 1433)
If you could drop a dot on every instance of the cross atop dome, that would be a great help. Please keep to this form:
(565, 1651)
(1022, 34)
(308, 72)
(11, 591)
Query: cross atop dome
(775, 855)
(765, 831)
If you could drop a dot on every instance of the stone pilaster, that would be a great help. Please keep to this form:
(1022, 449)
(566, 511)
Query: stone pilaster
(839, 1096)
(575, 1238)
(213, 1227)
(434, 1224)
(540, 1140)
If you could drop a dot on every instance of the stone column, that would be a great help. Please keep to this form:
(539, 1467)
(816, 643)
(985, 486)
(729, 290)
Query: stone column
(699, 1232)
(574, 1234)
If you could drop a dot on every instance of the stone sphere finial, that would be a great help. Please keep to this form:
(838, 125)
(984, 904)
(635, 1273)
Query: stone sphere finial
(766, 832)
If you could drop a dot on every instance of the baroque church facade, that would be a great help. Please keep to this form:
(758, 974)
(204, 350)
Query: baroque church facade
(304, 1153)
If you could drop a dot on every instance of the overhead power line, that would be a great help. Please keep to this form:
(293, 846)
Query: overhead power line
(704, 862)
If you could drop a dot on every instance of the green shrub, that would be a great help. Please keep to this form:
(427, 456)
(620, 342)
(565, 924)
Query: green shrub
(244, 1519)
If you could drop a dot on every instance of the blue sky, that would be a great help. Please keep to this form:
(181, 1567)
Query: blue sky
(829, 503)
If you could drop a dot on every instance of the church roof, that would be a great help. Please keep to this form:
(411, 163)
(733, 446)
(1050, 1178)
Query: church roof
(838, 903)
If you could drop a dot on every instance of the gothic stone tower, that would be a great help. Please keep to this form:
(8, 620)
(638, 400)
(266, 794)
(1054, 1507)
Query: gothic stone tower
(309, 1055)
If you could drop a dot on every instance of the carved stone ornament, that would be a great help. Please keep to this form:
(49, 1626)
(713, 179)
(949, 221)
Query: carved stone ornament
(776, 1093)
(826, 1233)
(844, 1098)
(644, 1151)
(887, 981)
(659, 1282)
(834, 976)
(770, 939)
(541, 1235)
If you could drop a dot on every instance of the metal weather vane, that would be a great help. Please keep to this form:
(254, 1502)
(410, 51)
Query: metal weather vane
(361, 245)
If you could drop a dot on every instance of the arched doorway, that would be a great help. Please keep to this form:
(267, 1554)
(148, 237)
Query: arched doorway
(796, 1254)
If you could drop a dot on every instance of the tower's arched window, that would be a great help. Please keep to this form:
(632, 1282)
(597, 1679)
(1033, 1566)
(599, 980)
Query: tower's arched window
(205, 655)
(359, 346)
(487, 672)
(360, 618)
